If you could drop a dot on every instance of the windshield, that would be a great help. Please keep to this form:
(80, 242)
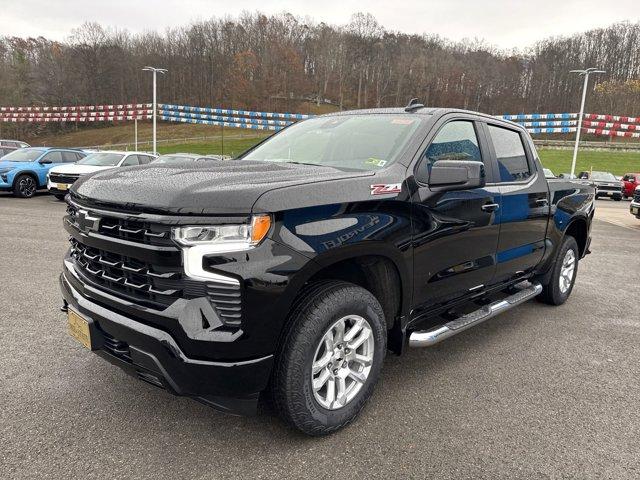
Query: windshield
(172, 159)
(603, 176)
(23, 155)
(102, 159)
(356, 142)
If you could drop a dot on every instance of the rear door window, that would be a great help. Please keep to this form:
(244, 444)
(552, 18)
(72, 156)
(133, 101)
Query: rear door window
(54, 157)
(513, 165)
(130, 161)
(69, 157)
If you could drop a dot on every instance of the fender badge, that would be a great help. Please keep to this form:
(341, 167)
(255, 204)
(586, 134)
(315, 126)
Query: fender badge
(385, 188)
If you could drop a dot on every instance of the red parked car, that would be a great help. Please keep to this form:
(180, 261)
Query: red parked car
(630, 181)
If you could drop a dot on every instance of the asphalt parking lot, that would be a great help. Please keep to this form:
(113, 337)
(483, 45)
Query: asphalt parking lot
(539, 392)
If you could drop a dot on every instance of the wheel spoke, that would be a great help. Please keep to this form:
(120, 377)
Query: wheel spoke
(341, 394)
(357, 376)
(354, 330)
(363, 360)
(338, 333)
(360, 339)
(331, 392)
(322, 362)
(319, 382)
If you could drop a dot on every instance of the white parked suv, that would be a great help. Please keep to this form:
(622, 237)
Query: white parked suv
(635, 203)
(61, 178)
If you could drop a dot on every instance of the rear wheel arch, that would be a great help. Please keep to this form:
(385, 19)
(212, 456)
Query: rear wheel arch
(579, 230)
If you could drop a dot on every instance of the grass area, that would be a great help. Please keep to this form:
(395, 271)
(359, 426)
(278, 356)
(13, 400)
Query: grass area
(232, 146)
(618, 163)
(123, 133)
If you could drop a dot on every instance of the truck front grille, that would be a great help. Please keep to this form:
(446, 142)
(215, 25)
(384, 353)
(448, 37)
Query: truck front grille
(135, 231)
(67, 178)
(153, 285)
(608, 188)
(125, 276)
(636, 196)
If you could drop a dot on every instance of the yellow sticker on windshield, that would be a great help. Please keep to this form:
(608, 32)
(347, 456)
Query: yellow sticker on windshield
(375, 161)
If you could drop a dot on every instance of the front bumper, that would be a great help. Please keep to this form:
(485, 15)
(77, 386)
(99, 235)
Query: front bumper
(609, 193)
(6, 181)
(152, 355)
(58, 188)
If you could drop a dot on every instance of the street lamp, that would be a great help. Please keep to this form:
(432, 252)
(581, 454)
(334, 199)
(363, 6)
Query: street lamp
(586, 74)
(155, 106)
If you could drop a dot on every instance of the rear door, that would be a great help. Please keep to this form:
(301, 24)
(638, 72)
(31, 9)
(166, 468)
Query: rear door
(455, 233)
(69, 157)
(525, 201)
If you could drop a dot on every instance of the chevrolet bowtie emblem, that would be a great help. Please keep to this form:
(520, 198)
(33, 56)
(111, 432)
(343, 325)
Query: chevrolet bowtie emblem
(86, 222)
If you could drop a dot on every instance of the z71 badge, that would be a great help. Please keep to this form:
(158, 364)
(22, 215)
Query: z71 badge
(385, 188)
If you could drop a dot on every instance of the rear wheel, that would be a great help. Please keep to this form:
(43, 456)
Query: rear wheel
(331, 357)
(563, 276)
(25, 186)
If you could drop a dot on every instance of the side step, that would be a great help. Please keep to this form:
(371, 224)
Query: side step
(426, 338)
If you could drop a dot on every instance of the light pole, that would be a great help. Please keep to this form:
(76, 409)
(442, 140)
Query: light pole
(586, 74)
(155, 105)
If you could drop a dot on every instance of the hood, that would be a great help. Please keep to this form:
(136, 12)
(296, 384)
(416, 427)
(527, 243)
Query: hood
(223, 187)
(10, 164)
(76, 169)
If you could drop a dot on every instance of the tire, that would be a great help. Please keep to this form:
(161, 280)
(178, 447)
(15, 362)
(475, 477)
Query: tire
(617, 199)
(59, 196)
(553, 292)
(304, 346)
(25, 186)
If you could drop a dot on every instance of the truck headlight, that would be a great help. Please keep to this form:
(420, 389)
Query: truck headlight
(201, 240)
(228, 237)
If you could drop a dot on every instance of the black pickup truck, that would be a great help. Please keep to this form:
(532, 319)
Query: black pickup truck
(288, 273)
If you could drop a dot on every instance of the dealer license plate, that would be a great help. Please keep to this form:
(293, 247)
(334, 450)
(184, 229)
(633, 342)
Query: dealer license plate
(79, 328)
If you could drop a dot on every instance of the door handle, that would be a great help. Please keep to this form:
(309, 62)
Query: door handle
(542, 202)
(490, 207)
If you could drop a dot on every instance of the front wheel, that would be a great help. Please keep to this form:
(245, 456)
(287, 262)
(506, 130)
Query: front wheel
(25, 186)
(617, 199)
(331, 357)
(563, 276)
(59, 196)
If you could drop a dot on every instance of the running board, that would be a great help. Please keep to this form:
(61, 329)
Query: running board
(426, 338)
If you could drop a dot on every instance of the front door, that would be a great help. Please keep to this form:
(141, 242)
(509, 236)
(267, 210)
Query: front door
(455, 233)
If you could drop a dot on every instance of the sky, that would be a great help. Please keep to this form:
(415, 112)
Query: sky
(505, 24)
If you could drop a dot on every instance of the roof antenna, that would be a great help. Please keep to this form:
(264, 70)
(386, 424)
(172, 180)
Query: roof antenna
(413, 105)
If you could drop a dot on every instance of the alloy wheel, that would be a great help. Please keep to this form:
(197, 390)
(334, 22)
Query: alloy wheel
(342, 362)
(26, 186)
(567, 270)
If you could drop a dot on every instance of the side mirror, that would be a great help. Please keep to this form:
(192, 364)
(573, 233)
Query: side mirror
(45, 162)
(456, 175)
